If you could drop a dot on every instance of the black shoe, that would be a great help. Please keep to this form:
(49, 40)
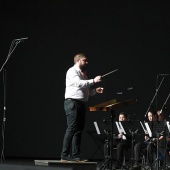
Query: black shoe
(118, 165)
(73, 160)
(148, 165)
(136, 165)
(66, 159)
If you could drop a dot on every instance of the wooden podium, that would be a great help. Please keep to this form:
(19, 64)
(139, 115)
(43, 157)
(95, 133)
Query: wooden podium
(110, 105)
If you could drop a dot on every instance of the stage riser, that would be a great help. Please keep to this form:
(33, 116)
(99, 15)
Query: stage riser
(25, 167)
(68, 165)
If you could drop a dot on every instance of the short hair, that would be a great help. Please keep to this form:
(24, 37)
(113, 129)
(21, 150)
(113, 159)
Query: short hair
(78, 56)
(123, 113)
(160, 113)
(153, 111)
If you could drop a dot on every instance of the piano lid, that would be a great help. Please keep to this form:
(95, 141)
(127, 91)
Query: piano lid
(110, 102)
(111, 105)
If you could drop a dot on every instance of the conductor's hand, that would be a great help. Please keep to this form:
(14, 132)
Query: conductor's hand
(99, 90)
(97, 79)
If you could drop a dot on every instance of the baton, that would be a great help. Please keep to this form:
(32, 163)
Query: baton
(110, 73)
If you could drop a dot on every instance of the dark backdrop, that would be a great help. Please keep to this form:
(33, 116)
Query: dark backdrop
(131, 36)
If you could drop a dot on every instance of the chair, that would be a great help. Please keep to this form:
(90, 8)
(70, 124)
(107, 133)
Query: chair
(143, 156)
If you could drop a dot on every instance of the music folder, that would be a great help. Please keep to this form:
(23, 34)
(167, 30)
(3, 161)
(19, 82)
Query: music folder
(155, 128)
(132, 127)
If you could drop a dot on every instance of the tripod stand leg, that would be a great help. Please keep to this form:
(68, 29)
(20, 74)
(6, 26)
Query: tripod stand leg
(105, 164)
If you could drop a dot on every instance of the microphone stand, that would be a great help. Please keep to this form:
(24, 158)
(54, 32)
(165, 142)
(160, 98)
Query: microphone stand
(132, 159)
(154, 96)
(108, 162)
(13, 45)
(156, 99)
(165, 102)
(164, 165)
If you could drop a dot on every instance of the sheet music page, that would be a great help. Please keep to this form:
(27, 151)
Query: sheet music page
(124, 137)
(121, 129)
(97, 128)
(168, 125)
(148, 129)
(117, 125)
(145, 131)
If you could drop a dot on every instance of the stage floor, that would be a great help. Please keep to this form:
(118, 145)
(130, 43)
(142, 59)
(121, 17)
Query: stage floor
(33, 164)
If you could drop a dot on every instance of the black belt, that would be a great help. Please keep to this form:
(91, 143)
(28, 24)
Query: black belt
(75, 100)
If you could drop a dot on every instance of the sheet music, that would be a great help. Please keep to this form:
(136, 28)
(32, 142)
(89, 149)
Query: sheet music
(121, 129)
(143, 128)
(97, 128)
(168, 125)
(148, 129)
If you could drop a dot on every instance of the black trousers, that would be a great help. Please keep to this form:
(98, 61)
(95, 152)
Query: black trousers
(75, 113)
(137, 150)
(121, 146)
(150, 151)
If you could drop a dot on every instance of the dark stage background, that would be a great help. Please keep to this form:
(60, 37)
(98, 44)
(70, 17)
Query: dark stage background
(131, 36)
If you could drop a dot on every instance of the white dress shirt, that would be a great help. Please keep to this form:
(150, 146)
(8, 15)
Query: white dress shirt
(77, 86)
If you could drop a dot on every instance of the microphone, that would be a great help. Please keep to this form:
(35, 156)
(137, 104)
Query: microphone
(127, 89)
(21, 39)
(163, 108)
(163, 74)
(130, 88)
(119, 92)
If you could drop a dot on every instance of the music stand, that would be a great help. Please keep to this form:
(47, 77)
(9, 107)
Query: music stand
(155, 130)
(98, 143)
(105, 127)
(133, 126)
(131, 130)
(166, 141)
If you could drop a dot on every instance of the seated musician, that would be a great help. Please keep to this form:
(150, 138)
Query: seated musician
(168, 149)
(123, 142)
(148, 144)
(120, 142)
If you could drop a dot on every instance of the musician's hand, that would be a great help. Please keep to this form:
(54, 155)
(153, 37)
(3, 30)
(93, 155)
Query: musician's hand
(146, 132)
(161, 138)
(146, 137)
(97, 79)
(99, 90)
(120, 135)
